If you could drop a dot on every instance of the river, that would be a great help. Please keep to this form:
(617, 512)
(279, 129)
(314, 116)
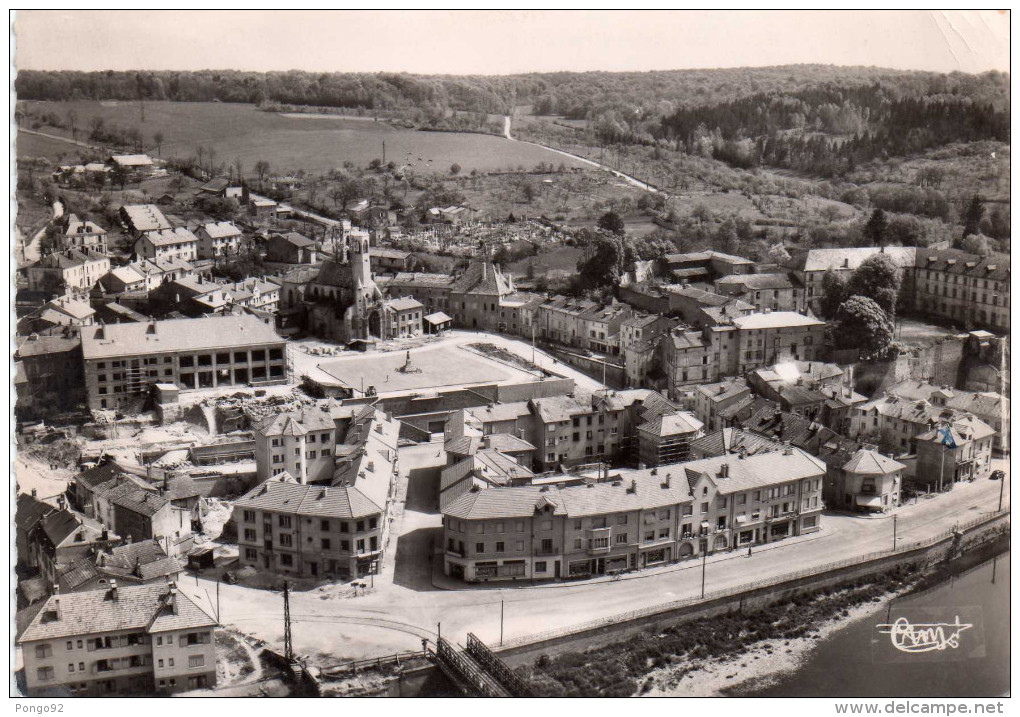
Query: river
(843, 666)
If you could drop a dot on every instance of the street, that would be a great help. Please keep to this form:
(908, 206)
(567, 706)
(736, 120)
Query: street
(404, 606)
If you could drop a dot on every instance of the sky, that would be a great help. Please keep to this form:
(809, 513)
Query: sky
(507, 42)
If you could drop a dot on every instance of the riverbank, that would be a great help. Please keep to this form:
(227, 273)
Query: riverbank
(742, 650)
(760, 665)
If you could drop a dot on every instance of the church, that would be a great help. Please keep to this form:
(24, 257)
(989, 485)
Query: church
(342, 302)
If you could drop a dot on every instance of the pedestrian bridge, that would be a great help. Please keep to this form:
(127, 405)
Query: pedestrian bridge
(476, 670)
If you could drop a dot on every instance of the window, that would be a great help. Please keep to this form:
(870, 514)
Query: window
(499, 528)
(286, 560)
(70, 667)
(577, 543)
(546, 525)
(70, 645)
(621, 520)
(42, 651)
(500, 546)
(286, 540)
(599, 522)
(664, 514)
(540, 566)
(621, 537)
(251, 554)
(324, 525)
(519, 526)
(688, 510)
(374, 522)
(361, 526)
(159, 640)
(663, 533)
(649, 535)
(344, 527)
(479, 547)
(161, 664)
(704, 508)
(196, 661)
(44, 674)
(284, 521)
(325, 544)
(249, 535)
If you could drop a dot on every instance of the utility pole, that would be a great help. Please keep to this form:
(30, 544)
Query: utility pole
(288, 647)
(501, 623)
(894, 533)
(384, 152)
(217, 600)
(439, 633)
(1002, 484)
(704, 563)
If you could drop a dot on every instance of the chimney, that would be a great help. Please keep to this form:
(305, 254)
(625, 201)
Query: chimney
(633, 487)
(724, 470)
(60, 501)
(172, 598)
(665, 483)
(323, 493)
(56, 603)
(113, 590)
(35, 493)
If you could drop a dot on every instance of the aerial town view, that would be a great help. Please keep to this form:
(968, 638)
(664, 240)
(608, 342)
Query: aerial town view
(530, 357)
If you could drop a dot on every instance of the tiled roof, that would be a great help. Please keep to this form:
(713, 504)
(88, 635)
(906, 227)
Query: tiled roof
(774, 320)
(421, 279)
(388, 253)
(685, 339)
(964, 427)
(63, 524)
(501, 411)
(790, 427)
(757, 471)
(405, 304)
(733, 440)
(127, 274)
(756, 282)
(221, 230)
(93, 612)
(320, 501)
(851, 258)
(297, 423)
(724, 390)
(298, 240)
(672, 424)
(71, 258)
(871, 462)
(170, 237)
(482, 278)
(132, 160)
(982, 404)
(145, 217)
(205, 333)
(72, 307)
(30, 511)
(952, 261)
(42, 345)
(128, 495)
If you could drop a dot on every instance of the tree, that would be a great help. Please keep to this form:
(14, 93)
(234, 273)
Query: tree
(861, 324)
(261, 170)
(833, 292)
(72, 120)
(874, 230)
(977, 244)
(777, 254)
(606, 257)
(119, 175)
(972, 217)
(158, 139)
(877, 278)
(238, 169)
(612, 222)
(454, 168)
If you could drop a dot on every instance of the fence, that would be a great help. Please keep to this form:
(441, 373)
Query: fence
(747, 587)
(357, 665)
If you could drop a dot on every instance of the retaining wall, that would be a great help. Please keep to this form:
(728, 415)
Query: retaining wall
(616, 628)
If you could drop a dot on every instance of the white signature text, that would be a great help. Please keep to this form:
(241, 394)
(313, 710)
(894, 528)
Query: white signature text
(924, 637)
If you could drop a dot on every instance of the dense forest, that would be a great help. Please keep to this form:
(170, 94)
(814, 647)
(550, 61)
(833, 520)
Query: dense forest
(831, 129)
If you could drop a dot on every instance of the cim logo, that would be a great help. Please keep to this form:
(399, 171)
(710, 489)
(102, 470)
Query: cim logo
(929, 634)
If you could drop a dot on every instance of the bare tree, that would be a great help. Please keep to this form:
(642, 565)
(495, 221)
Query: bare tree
(158, 139)
(72, 119)
(239, 169)
(261, 169)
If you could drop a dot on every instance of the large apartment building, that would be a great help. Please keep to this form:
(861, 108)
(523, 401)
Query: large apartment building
(145, 639)
(124, 361)
(73, 271)
(298, 442)
(638, 519)
(946, 284)
(312, 530)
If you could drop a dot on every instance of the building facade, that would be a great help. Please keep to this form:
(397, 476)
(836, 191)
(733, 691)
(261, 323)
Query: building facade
(118, 641)
(123, 361)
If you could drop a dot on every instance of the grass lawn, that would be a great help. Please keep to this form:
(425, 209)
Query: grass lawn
(290, 143)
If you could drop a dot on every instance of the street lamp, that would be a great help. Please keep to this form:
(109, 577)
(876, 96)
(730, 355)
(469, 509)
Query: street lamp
(704, 563)
(1002, 484)
(894, 533)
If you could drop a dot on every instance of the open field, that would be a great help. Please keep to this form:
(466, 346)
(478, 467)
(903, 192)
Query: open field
(441, 365)
(310, 143)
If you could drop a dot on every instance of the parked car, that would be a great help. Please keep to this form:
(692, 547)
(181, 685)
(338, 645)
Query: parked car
(997, 475)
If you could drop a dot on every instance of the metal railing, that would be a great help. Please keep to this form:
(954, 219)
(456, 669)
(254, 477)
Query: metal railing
(496, 667)
(746, 587)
